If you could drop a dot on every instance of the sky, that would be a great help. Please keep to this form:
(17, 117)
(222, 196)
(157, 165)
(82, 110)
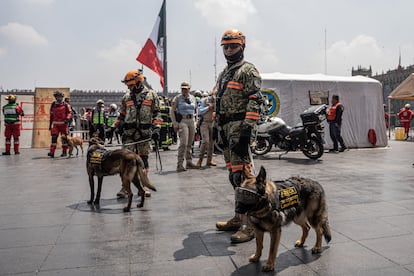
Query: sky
(91, 44)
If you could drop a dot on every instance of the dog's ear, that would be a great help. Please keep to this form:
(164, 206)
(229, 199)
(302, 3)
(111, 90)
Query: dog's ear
(261, 181)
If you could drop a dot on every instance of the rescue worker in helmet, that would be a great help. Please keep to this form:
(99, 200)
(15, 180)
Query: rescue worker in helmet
(405, 115)
(238, 104)
(12, 112)
(139, 119)
(98, 122)
(110, 123)
(60, 116)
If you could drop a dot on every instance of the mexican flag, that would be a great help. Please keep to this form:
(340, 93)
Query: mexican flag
(152, 54)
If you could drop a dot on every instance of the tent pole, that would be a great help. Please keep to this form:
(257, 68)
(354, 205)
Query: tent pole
(389, 118)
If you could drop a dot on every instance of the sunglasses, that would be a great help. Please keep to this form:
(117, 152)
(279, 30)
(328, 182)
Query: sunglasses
(231, 46)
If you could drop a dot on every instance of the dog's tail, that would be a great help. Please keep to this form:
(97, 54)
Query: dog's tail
(326, 231)
(143, 176)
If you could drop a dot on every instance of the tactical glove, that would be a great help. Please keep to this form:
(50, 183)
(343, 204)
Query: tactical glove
(155, 134)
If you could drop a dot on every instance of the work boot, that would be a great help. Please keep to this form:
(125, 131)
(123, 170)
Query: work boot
(210, 162)
(191, 165)
(51, 154)
(17, 152)
(6, 153)
(122, 193)
(244, 234)
(343, 149)
(63, 154)
(199, 162)
(231, 225)
(180, 168)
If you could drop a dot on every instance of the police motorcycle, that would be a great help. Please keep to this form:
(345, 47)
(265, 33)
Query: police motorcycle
(306, 136)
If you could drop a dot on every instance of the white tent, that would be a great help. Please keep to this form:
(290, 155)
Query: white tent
(361, 96)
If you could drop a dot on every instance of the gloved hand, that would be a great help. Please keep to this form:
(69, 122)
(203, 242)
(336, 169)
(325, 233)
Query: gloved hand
(67, 121)
(242, 147)
(155, 134)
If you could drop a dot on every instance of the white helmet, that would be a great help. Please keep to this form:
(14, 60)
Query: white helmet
(407, 106)
(114, 106)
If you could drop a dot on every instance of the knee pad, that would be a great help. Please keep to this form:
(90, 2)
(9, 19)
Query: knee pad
(237, 178)
(54, 139)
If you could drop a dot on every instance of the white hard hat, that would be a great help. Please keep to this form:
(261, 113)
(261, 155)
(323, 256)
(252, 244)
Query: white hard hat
(407, 106)
(114, 106)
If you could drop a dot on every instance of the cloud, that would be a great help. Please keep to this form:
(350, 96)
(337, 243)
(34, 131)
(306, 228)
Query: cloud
(125, 50)
(361, 50)
(24, 35)
(40, 2)
(3, 52)
(226, 13)
(263, 55)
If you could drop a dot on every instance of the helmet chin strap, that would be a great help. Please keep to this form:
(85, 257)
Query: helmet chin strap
(138, 88)
(236, 57)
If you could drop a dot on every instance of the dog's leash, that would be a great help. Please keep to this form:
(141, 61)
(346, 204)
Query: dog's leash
(138, 142)
(157, 157)
(251, 160)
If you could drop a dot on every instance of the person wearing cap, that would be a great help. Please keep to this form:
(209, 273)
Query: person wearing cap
(405, 115)
(99, 118)
(182, 112)
(139, 119)
(238, 103)
(12, 112)
(60, 116)
(334, 118)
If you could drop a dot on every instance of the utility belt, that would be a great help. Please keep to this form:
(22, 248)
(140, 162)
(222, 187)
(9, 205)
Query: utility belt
(226, 118)
(187, 116)
(137, 125)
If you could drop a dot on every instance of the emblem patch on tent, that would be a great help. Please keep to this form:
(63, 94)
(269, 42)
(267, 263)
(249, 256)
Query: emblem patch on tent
(288, 197)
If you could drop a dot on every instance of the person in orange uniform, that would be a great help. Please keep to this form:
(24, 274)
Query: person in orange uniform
(405, 115)
(12, 112)
(60, 115)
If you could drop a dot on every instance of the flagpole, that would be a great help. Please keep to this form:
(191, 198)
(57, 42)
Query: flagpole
(165, 91)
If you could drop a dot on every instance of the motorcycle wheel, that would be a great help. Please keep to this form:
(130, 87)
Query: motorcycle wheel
(262, 146)
(314, 149)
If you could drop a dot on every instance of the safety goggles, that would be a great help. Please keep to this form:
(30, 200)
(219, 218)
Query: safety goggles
(246, 196)
(231, 46)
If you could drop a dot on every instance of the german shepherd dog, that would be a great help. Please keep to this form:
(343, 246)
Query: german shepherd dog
(74, 142)
(127, 164)
(270, 205)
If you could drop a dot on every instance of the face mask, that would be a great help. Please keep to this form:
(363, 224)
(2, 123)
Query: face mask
(236, 57)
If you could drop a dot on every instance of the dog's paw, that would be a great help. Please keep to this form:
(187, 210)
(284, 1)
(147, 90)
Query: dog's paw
(316, 250)
(299, 243)
(126, 209)
(268, 267)
(96, 202)
(140, 205)
(89, 202)
(254, 258)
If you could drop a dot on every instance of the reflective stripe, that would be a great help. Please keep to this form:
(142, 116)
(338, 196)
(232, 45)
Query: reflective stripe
(228, 165)
(237, 168)
(252, 115)
(129, 103)
(235, 85)
(147, 102)
(157, 122)
(58, 123)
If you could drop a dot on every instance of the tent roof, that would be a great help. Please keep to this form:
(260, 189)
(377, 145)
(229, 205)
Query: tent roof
(404, 91)
(315, 77)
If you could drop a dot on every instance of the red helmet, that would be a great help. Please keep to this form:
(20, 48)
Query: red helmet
(233, 36)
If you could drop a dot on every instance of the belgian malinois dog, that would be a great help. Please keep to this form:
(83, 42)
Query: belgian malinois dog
(127, 164)
(270, 205)
(73, 143)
